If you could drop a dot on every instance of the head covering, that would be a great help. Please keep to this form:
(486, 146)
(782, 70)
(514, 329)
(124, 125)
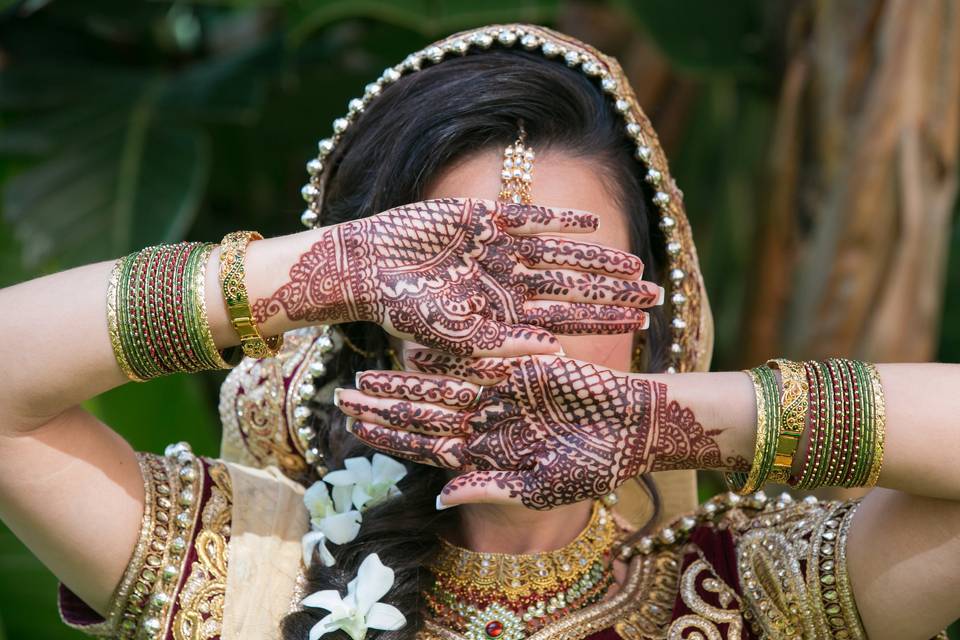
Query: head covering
(261, 428)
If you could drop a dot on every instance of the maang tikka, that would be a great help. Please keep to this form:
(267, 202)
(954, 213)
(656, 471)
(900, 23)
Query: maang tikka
(517, 174)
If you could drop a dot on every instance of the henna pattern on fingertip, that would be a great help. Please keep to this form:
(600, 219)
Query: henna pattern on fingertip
(407, 415)
(587, 319)
(444, 391)
(438, 452)
(479, 370)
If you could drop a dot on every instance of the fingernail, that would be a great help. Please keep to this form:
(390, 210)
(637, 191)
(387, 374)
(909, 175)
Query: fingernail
(336, 397)
(561, 352)
(440, 505)
(356, 379)
(663, 295)
(349, 424)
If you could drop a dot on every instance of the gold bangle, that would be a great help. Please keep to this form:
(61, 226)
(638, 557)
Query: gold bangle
(793, 416)
(233, 248)
(227, 359)
(113, 328)
(735, 480)
(880, 421)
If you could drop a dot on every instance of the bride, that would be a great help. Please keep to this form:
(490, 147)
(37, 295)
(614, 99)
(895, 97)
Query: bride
(417, 320)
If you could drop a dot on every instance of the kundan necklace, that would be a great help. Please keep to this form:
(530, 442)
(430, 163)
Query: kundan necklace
(500, 596)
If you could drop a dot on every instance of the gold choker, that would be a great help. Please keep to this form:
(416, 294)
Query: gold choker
(500, 596)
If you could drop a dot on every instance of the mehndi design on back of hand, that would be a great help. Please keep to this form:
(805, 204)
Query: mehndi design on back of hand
(466, 276)
(546, 431)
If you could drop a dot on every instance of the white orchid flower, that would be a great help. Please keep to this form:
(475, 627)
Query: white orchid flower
(329, 520)
(369, 483)
(359, 610)
(313, 540)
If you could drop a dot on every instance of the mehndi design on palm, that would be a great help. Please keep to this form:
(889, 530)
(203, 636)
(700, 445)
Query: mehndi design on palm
(545, 430)
(467, 276)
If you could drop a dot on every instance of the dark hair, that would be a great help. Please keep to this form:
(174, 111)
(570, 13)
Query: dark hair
(419, 126)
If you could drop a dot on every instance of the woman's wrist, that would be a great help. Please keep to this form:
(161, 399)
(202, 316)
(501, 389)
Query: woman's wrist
(702, 421)
(268, 265)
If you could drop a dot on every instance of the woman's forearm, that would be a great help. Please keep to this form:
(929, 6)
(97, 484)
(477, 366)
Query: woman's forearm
(54, 347)
(922, 429)
(922, 443)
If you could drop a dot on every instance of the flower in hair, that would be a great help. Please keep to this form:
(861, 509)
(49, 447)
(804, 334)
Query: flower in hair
(368, 482)
(330, 519)
(359, 610)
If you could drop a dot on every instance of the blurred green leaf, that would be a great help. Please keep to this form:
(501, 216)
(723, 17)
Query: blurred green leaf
(949, 349)
(428, 17)
(712, 37)
(130, 180)
(28, 594)
(157, 413)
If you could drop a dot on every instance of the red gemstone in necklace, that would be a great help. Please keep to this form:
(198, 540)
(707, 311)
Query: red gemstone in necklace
(494, 629)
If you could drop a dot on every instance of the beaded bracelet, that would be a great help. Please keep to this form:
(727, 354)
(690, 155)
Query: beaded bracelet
(859, 449)
(156, 315)
(823, 380)
(864, 396)
(843, 435)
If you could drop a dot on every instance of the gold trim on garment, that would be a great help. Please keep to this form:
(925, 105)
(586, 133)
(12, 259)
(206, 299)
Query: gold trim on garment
(773, 596)
(202, 597)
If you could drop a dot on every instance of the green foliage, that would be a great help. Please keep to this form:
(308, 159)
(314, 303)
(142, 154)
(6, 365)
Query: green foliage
(710, 38)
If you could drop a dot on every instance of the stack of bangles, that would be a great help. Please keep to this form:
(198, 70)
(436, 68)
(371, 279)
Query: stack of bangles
(839, 402)
(157, 315)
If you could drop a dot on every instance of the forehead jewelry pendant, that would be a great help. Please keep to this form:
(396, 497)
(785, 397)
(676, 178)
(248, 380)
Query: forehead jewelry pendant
(517, 174)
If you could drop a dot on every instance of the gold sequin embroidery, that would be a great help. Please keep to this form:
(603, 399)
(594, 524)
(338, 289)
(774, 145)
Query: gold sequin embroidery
(202, 598)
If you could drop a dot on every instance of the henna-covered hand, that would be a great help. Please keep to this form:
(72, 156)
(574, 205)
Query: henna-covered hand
(544, 430)
(470, 277)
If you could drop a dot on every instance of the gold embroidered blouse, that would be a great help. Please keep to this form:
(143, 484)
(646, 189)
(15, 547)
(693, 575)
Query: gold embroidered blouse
(218, 557)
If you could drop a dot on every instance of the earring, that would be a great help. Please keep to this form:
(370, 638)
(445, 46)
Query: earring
(517, 175)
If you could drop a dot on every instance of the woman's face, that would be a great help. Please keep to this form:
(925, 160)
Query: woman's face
(560, 181)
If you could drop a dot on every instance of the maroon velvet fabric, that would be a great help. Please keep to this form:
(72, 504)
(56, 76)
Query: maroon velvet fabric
(73, 609)
(604, 634)
(717, 548)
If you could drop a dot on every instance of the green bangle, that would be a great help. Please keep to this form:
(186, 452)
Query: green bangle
(136, 333)
(863, 451)
(189, 307)
(151, 303)
(827, 445)
(114, 316)
(156, 314)
(816, 422)
(774, 416)
(767, 410)
(202, 338)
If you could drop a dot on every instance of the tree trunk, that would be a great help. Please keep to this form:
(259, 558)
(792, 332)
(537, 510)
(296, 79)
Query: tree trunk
(851, 250)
